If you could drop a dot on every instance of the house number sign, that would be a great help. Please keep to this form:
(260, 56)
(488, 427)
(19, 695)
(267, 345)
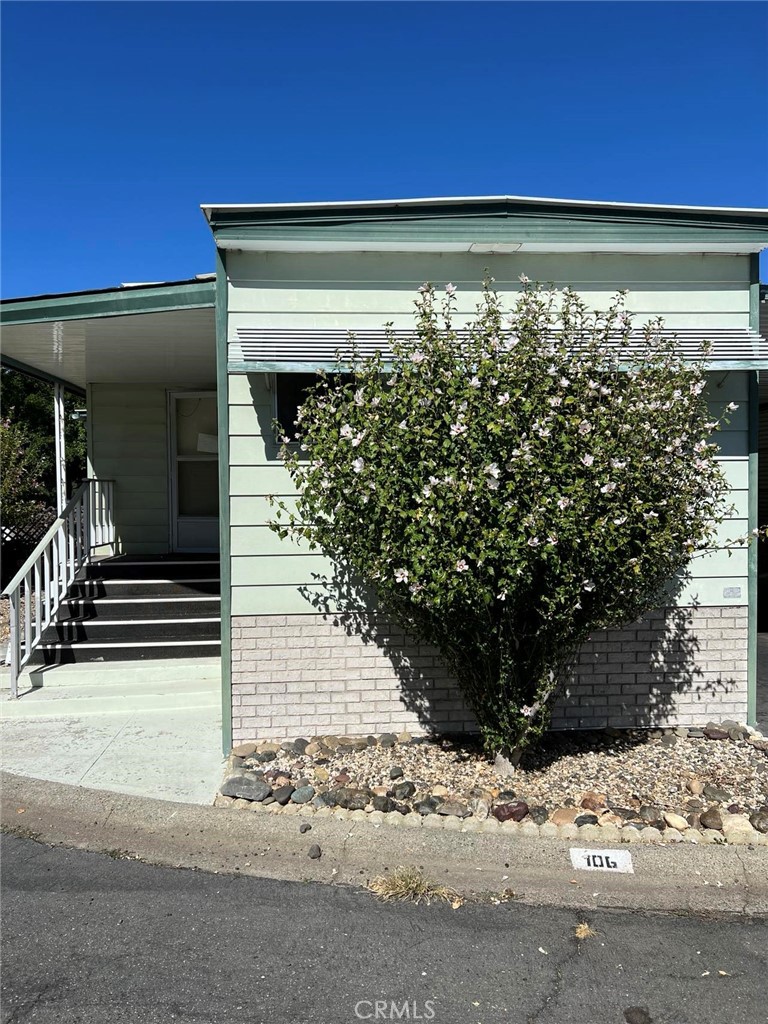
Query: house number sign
(603, 860)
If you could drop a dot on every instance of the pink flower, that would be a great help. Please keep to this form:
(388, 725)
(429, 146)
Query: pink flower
(450, 290)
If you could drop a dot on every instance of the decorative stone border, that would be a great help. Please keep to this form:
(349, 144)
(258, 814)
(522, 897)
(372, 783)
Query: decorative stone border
(244, 790)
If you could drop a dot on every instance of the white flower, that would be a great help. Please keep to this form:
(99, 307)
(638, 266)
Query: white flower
(402, 425)
(359, 396)
(563, 502)
(475, 382)
(401, 576)
(552, 538)
(450, 290)
(527, 712)
(346, 431)
(503, 399)
(588, 585)
(458, 428)
(555, 401)
(461, 565)
(501, 596)
(585, 427)
(588, 460)
(358, 465)
(533, 542)
(425, 288)
(434, 480)
(523, 279)
(732, 406)
(564, 382)
(617, 464)
(417, 357)
(620, 521)
(493, 485)
(608, 488)
(492, 470)
(426, 491)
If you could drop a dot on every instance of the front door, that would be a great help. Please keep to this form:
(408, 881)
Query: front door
(194, 471)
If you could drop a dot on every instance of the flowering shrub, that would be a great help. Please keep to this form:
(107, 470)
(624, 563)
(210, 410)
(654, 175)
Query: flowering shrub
(511, 486)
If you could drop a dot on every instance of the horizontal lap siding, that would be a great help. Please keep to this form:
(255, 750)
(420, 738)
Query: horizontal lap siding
(281, 290)
(129, 444)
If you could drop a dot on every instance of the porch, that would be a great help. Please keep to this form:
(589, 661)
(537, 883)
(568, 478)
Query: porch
(146, 586)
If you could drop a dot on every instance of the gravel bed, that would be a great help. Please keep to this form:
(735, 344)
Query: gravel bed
(680, 779)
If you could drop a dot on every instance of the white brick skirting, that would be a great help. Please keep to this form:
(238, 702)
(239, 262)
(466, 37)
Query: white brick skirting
(306, 674)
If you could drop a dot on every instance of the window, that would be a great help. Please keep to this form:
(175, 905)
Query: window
(290, 391)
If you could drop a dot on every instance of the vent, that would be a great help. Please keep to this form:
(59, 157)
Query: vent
(321, 345)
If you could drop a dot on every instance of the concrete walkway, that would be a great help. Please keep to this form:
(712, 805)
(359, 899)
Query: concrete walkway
(152, 730)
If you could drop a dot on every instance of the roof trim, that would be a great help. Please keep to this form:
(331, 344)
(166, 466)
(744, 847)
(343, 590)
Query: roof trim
(357, 204)
(487, 224)
(164, 297)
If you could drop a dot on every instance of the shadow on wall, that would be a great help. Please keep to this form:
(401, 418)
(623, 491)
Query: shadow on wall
(658, 671)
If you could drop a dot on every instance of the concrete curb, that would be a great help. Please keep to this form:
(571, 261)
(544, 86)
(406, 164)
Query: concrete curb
(681, 878)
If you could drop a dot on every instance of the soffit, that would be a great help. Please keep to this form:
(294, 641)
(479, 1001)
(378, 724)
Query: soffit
(177, 347)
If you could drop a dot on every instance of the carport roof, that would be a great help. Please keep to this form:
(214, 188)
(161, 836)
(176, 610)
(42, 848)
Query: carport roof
(137, 333)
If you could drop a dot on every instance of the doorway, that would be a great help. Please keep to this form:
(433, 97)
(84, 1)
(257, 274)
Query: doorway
(193, 471)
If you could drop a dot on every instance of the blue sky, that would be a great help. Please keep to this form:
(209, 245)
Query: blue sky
(119, 119)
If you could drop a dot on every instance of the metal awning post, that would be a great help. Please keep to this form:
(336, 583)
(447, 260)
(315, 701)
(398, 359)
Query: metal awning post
(61, 454)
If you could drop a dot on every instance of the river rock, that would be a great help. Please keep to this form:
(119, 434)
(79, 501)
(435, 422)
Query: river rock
(383, 803)
(403, 790)
(716, 794)
(351, 799)
(714, 732)
(283, 793)
(314, 852)
(303, 794)
(245, 786)
(454, 808)
(480, 808)
(586, 819)
(387, 739)
(538, 814)
(593, 801)
(396, 772)
(427, 806)
(759, 819)
(514, 811)
(244, 749)
(675, 821)
(711, 818)
(564, 815)
(695, 786)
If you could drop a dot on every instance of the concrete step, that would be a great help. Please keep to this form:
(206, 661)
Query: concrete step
(83, 652)
(126, 674)
(151, 568)
(116, 608)
(110, 630)
(155, 586)
(57, 702)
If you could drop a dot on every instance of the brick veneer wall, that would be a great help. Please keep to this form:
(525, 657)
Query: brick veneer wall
(305, 674)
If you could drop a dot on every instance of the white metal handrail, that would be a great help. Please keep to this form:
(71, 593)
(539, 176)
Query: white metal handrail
(41, 584)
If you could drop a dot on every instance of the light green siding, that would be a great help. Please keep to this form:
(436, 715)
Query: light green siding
(128, 428)
(353, 291)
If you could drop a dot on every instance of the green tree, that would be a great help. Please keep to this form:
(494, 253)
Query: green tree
(29, 402)
(510, 487)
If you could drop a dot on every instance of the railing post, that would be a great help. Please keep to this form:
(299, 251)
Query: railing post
(13, 643)
(88, 519)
